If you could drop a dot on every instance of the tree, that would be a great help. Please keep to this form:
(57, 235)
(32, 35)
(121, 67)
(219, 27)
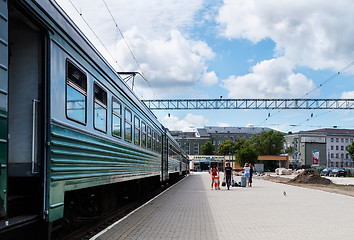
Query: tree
(268, 142)
(224, 147)
(208, 148)
(289, 150)
(350, 149)
(246, 155)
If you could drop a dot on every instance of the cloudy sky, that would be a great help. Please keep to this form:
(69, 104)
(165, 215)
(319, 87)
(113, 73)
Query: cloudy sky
(231, 48)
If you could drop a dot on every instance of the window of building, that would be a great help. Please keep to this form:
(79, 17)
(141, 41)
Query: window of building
(76, 93)
(346, 156)
(342, 155)
(116, 118)
(337, 155)
(332, 140)
(346, 140)
(143, 134)
(342, 148)
(136, 131)
(337, 147)
(351, 140)
(342, 139)
(187, 148)
(149, 141)
(332, 147)
(100, 108)
(332, 155)
(196, 148)
(128, 125)
(337, 139)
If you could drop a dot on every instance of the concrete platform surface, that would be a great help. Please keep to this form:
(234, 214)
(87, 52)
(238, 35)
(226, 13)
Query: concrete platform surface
(191, 210)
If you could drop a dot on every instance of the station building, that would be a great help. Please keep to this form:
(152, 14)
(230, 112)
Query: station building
(325, 147)
(191, 142)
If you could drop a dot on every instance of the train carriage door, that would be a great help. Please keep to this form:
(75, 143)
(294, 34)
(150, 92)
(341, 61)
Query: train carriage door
(25, 113)
(164, 170)
(3, 104)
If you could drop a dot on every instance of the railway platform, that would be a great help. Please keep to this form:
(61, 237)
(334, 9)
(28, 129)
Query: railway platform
(191, 210)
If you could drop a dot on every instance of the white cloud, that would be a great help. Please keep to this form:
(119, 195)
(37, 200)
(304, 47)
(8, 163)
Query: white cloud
(348, 95)
(154, 31)
(221, 124)
(153, 18)
(189, 123)
(348, 119)
(269, 79)
(172, 65)
(316, 34)
(208, 79)
(284, 127)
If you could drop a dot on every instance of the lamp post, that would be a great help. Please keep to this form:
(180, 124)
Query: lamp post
(232, 151)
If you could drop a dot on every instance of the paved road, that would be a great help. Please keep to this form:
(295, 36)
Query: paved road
(190, 210)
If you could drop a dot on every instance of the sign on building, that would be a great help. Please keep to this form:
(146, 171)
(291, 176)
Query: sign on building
(313, 139)
(315, 158)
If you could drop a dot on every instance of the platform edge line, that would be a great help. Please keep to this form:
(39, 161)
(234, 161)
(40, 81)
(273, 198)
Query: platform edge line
(122, 219)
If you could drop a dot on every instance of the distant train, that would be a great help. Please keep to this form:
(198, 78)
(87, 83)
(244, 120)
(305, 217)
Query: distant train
(73, 137)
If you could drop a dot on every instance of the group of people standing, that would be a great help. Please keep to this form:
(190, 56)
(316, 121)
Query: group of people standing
(228, 175)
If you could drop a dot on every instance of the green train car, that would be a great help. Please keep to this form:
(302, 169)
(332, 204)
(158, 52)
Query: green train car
(74, 138)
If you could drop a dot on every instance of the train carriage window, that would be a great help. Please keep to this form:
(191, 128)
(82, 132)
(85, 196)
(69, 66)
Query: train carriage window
(170, 153)
(100, 108)
(116, 118)
(158, 144)
(76, 93)
(154, 141)
(136, 131)
(143, 134)
(128, 126)
(149, 142)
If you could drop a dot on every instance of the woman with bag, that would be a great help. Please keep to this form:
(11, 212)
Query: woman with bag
(247, 173)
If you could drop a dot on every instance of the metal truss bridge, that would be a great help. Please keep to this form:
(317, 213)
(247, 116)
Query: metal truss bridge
(199, 104)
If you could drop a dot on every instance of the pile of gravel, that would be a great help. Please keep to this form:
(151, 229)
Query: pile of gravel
(308, 177)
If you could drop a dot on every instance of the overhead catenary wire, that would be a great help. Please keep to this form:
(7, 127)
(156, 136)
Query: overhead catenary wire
(268, 117)
(121, 33)
(130, 50)
(321, 85)
(88, 25)
(104, 46)
(329, 79)
(308, 119)
(312, 90)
